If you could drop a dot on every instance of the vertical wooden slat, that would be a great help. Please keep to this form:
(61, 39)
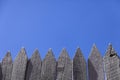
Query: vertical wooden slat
(34, 67)
(49, 67)
(95, 65)
(112, 64)
(7, 67)
(64, 66)
(19, 66)
(79, 66)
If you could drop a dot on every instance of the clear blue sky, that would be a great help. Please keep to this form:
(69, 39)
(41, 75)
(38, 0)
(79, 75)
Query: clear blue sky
(58, 24)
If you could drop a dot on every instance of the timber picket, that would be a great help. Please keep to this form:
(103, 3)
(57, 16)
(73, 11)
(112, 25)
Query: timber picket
(19, 66)
(79, 66)
(64, 66)
(112, 64)
(48, 71)
(34, 67)
(95, 65)
(7, 67)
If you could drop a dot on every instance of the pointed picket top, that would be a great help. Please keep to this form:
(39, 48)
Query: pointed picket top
(49, 54)
(34, 67)
(79, 54)
(63, 58)
(48, 71)
(36, 55)
(8, 54)
(79, 66)
(23, 52)
(7, 66)
(7, 58)
(94, 52)
(95, 65)
(110, 51)
(64, 54)
(19, 65)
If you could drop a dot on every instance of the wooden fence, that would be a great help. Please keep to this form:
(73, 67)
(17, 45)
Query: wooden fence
(96, 68)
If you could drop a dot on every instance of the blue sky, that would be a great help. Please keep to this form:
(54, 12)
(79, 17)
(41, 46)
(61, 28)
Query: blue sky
(58, 24)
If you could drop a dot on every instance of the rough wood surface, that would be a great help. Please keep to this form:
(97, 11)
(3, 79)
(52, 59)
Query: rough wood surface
(79, 66)
(112, 64)
(34, 67)
(107, 68)
(95, 65)
(49, 67)
(7, 67)
(64, 66)
(19, 66)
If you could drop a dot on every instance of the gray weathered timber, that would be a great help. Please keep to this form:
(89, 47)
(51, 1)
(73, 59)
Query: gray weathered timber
(34, 67)
(7, 67)
(49, 67)
(19, 66)
(112, 64)
(95, 65)
(64, 66)
(0, 72)
(79, 66)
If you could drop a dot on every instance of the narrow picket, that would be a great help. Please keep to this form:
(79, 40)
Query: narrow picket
(79, 66)
(7, 67)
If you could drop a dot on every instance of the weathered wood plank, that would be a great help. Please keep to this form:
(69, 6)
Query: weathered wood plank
(7, 67)
(95, 65)
(64, 66)
(79, 66)
(19, 66)
(34, 67)
(112, 64)
(49, 67)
